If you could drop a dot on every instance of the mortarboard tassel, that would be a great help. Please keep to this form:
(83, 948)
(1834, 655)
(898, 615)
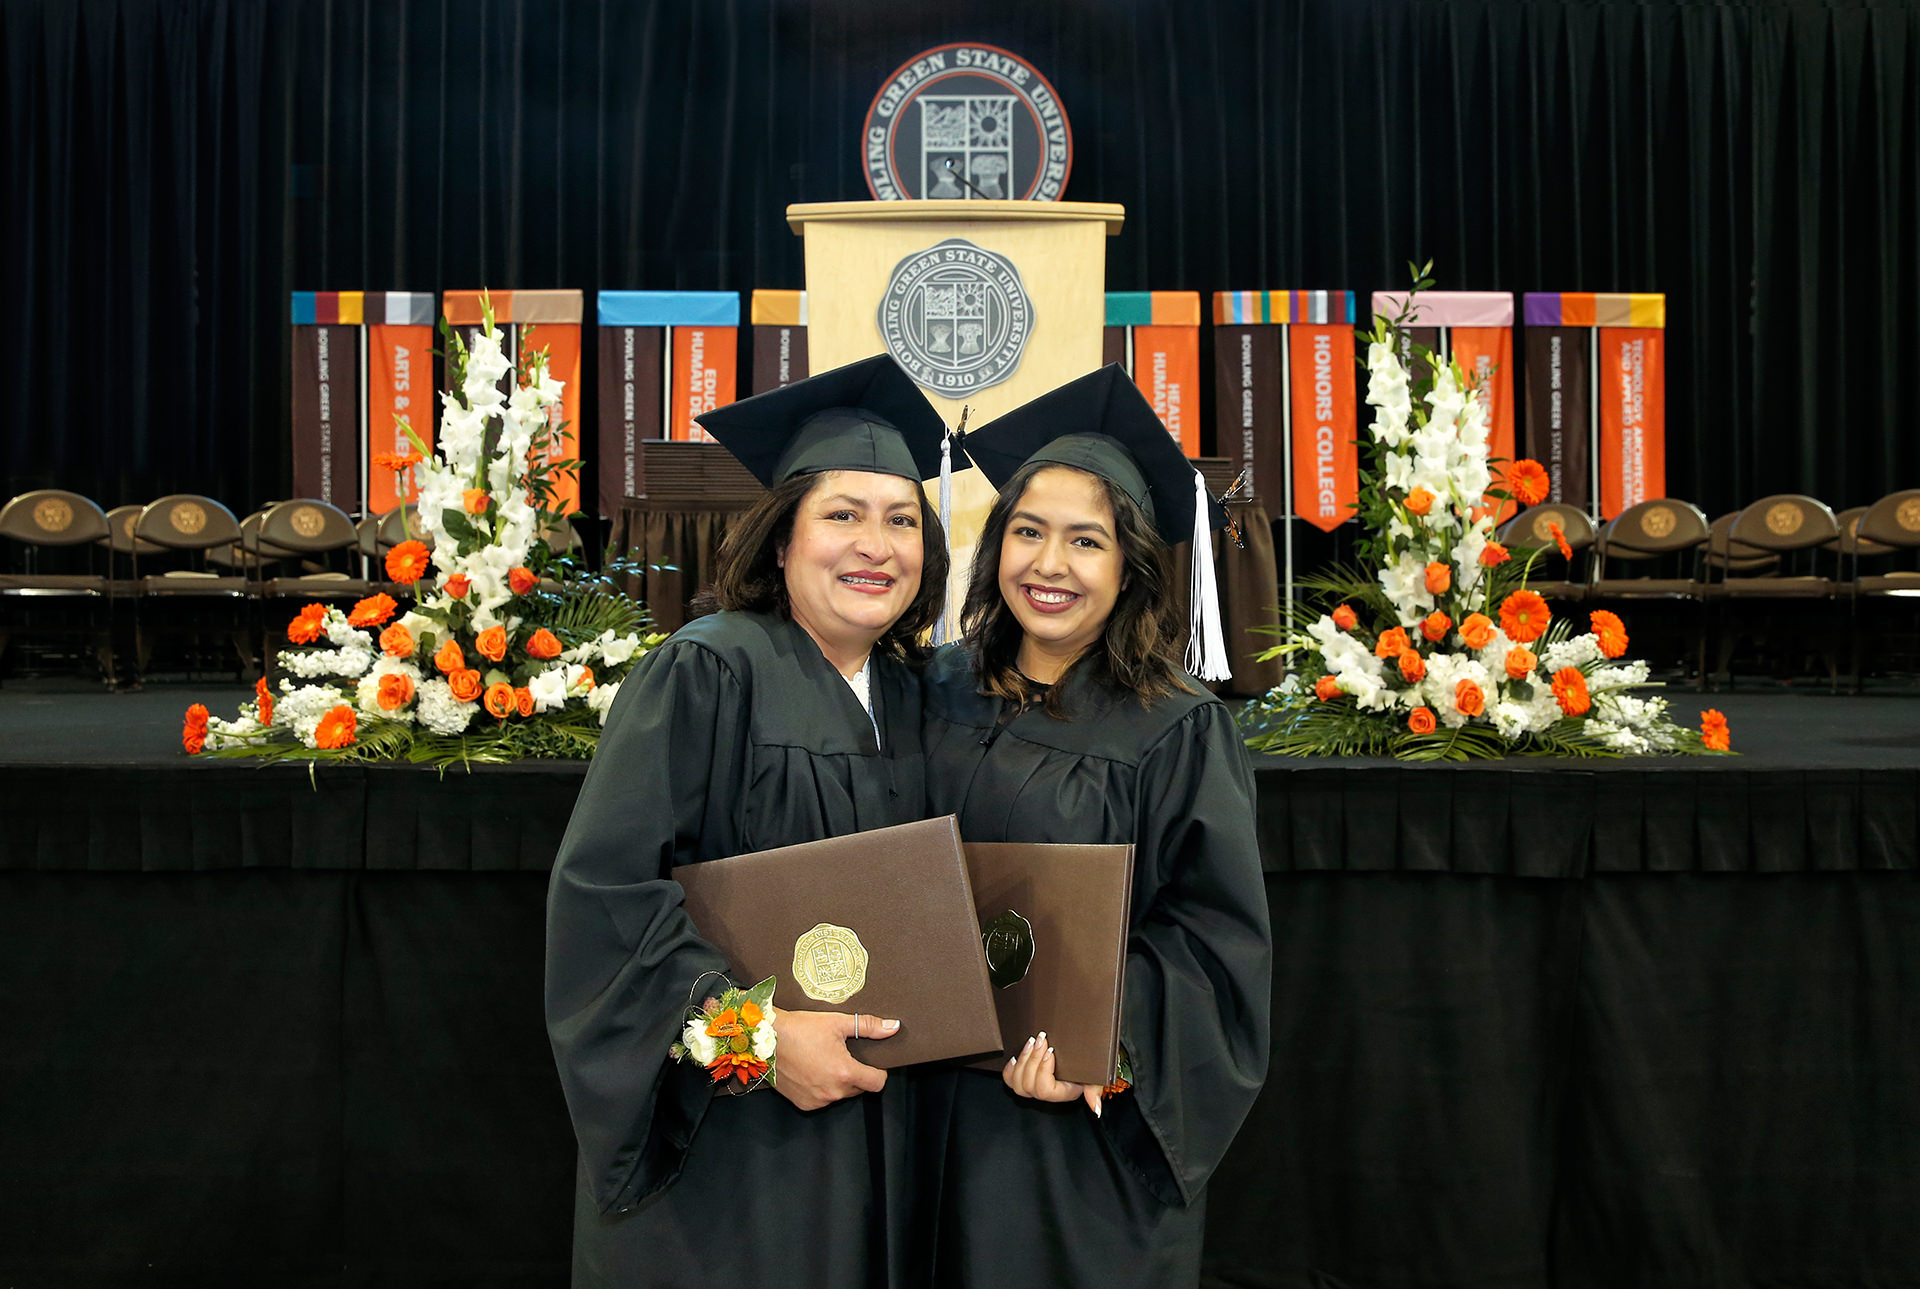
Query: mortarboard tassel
(942, 630)
(1206, 639)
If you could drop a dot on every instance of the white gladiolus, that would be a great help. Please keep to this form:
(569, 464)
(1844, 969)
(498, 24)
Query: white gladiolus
(1405, 582)
(600, 699)
(549, 689)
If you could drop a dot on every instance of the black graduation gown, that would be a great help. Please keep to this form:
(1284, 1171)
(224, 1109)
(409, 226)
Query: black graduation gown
(736, 735)
(1032, 1193)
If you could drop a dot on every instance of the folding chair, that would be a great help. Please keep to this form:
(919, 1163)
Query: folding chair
(48, 527)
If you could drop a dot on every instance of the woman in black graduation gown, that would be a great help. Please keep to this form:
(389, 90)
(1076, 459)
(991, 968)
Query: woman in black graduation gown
(1065, 718)
(791, 716)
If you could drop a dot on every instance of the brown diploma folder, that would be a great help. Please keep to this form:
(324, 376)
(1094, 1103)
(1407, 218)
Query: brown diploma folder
(879, 922)
(1078, 900)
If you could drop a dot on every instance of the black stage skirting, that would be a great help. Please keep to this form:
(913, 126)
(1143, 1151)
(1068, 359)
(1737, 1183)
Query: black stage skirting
(1649, 1023)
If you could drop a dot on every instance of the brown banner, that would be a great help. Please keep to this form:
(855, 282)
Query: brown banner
(779, 356)
(1248, 413)
(326, 414)
(629, 410)
(1559, 415)
(1633, 417)
(1113, 346)
(1326, 464)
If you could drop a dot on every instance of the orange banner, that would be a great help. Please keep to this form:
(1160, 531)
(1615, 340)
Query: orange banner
(1633, 417)
(1166, 367)
(399, 388)
(561, 340)
(1326, 465)
(1485, 354)
(705, 363)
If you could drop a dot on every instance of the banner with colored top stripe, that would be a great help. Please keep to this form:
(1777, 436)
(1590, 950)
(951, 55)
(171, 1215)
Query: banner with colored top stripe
(362, 369)
(779, 339)
(1475, 330)
(1596, 373)
(1285, 308)
(532, 321)
(1155, 335)
(665, 357)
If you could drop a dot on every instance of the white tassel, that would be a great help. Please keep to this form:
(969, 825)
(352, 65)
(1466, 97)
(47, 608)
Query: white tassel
(1206, 638)
(942, 630)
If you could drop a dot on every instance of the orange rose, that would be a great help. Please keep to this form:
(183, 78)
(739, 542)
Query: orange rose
(336, 728)
(1413, 668)
(1468, 699)
(1439, 578)
(1524, 616)
(309, 626)
(1419, 501)
(465, 685)
(1610, 631)
(1477, 631)
(372, 611)
(543, 644)
(263, 702)
(1345, 618)
(450, 658)
(1420, 720)
(457, 585)
(1327, 688)
(1494, 555)
(193, 734)
(396, 642)
(521, 580)
(476, 501)
(1714, 732)
(523, 701)
(1391, 642)
(492, 644)
(407, 562)
(1435, 626)
(1528, 482)
(1559, 539)
(499, 700)
(396, 691)
(1521, 662)
(1570, 690)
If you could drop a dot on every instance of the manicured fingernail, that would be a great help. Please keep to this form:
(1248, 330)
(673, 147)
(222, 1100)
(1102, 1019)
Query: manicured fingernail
(1012, 1061)
(1027, 1048)
(1043, 1036)
(888, 1026)
(1049, 1051)
(1096, 1109)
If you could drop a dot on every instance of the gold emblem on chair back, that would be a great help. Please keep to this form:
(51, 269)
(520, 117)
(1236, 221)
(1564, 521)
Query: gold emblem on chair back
(53, 515)
(1908, 515)
(187, 517)
(1658, 521)
(1784, 519)
(307, 521)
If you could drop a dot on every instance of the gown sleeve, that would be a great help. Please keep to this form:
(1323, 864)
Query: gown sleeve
(622, 954)
(1195, 1018)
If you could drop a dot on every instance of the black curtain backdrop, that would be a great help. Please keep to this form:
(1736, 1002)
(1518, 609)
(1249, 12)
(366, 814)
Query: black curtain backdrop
(175, 167)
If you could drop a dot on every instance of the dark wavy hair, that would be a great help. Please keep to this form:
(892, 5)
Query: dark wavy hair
(1135, 652)
(748, 576)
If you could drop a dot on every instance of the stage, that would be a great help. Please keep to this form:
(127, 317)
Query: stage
(1535, 1022)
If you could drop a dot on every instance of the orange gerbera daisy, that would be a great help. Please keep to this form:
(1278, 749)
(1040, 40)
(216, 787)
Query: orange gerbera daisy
(407, 562)
(309, 626)
(1327, 688)
(1469, 699)
(1559, 539)
(1528, 482)
(372, 611)
(1524, 616)
(1391, 642)
(1413, 668)
(1610, 631)
(336, 728)
(1477, 631)
(521, 580)
(193, 733)
(1420, 720)
(543, 644)
(263, 702)
(396, 691)
(744, 1066)
(499, 700)
(1714, 732)
(396, 642)
(1570, 691)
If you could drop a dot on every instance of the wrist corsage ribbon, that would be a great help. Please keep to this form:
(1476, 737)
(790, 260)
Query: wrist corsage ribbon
(731, 1036)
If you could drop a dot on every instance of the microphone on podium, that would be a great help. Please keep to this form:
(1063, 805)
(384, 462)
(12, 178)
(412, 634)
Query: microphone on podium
(953, 170)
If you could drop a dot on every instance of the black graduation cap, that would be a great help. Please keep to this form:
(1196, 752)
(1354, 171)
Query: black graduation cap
(1100, 423)
(867, 415)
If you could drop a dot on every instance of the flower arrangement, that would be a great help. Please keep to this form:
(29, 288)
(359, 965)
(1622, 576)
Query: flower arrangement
(507, 650)
(1435, 649)
(731, 1036)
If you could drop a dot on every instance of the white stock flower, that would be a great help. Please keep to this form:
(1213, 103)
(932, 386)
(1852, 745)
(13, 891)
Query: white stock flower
(350, 663)
(1576, 651)
(699, 1042)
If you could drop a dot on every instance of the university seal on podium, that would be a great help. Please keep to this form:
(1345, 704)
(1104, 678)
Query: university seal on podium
(956, 317)
(964, 122)
(830, 963)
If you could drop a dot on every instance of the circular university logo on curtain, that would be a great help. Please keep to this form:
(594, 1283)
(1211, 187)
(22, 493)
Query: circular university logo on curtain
(956, 317)
(967, 121)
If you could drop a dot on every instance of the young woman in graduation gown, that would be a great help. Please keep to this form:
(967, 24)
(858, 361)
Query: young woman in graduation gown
(792, 715)
(1065, 718)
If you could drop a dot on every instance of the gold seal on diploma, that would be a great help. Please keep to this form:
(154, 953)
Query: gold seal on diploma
(830, 963)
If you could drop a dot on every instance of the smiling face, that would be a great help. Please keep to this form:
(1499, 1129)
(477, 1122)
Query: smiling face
(1060, 569)
(852, 566)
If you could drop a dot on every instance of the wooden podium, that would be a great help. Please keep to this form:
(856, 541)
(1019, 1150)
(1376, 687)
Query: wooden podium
(853, 249)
